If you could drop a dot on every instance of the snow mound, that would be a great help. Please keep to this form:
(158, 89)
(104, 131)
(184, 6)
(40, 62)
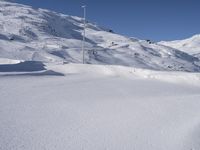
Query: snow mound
(129, 72)
(9, 61)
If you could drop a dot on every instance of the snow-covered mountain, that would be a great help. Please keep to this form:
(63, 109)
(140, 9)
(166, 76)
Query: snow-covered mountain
(190, 45)
(47, 36)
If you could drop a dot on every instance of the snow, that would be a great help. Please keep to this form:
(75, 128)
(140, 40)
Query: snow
(42, 35)
(128, 72)
(100, 107)
(190, 45)
(9, 61)
(131, 94)
(53, 46)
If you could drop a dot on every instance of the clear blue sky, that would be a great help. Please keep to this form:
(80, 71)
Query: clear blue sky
(146, 19)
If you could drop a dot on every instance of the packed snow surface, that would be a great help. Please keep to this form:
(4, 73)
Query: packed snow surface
(100, 107)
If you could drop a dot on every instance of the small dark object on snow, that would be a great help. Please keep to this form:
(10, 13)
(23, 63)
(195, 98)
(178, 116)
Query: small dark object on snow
(111, 31)
(149, 41)
(11, 38)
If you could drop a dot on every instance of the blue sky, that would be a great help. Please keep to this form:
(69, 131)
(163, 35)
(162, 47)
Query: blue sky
(145, 19)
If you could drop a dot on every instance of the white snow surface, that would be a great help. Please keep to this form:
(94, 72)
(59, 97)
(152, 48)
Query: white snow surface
(100, 107)
(190, 45)
(9, 61)
(42, 35)
(125, 98)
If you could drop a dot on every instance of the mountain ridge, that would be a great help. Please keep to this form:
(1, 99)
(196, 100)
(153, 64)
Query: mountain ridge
(189, 45)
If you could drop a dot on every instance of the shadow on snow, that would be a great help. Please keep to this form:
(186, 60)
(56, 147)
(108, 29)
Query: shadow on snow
(29, 67)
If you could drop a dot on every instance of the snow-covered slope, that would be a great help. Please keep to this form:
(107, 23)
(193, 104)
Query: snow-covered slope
(43, 35)
(190, 45)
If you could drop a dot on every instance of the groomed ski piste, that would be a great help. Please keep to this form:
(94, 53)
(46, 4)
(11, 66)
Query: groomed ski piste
(131, 94)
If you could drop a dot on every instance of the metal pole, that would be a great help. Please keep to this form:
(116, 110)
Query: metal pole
(83, 42)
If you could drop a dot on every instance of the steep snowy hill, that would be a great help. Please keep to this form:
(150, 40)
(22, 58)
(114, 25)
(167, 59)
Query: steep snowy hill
(42, 35)
(190, 45)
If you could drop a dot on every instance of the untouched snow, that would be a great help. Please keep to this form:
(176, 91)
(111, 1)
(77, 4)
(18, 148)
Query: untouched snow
(9, 61)
(190, 45)
(114, 71)
(41, 35)
(100, 107)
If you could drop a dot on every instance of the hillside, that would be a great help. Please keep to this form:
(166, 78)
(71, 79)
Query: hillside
(41, 35)
(190, 45)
